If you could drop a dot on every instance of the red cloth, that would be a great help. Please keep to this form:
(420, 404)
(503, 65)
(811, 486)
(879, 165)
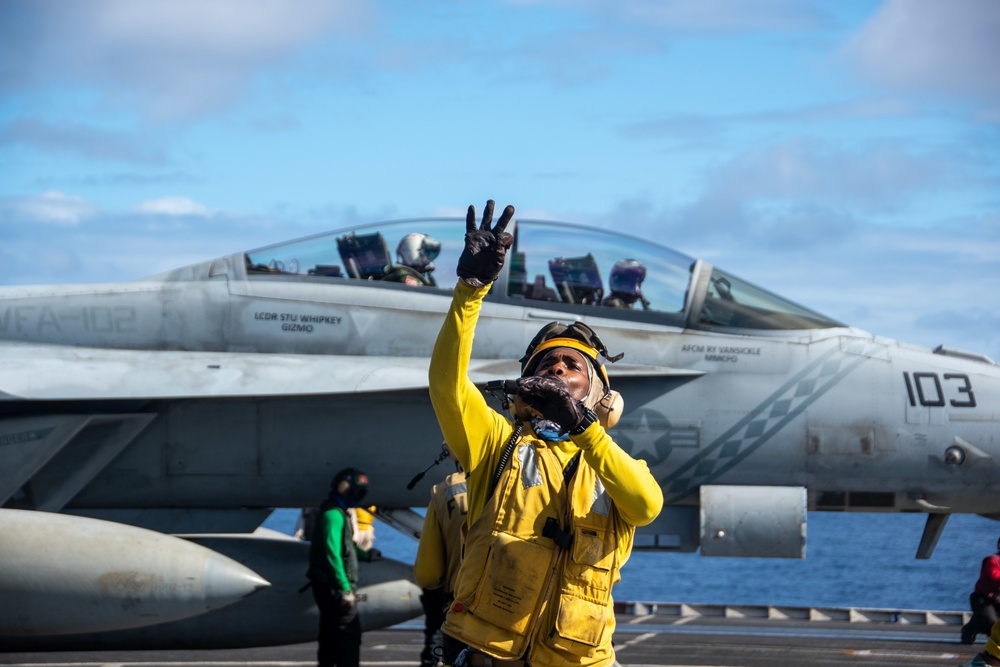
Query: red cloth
(989, 577)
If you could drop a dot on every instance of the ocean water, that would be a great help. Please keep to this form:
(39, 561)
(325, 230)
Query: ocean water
(852, 560)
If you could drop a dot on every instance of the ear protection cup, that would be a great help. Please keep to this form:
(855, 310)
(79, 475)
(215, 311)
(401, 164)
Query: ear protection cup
(609, 409)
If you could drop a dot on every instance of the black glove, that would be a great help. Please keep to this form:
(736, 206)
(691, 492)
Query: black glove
(486, 247)
(551, 397)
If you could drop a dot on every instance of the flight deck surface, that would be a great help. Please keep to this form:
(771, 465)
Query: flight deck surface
(640, 640)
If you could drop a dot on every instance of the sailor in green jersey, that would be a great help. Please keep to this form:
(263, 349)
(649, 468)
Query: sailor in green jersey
(333, 571)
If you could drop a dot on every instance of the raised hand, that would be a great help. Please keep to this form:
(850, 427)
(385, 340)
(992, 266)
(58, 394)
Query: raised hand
(485, 247)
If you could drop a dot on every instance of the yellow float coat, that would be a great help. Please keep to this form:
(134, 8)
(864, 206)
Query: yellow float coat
(993, 643)
(440, 550)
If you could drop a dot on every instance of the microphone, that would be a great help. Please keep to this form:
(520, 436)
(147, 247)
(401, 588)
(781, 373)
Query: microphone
(506, 386)
(420, 475)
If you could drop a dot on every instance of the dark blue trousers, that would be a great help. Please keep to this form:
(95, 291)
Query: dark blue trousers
(339, 629)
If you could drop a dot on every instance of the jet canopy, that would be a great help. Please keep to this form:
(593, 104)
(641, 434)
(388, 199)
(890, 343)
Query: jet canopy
(552, 265)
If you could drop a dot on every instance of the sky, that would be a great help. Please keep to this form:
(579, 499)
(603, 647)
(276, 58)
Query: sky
(845, 155)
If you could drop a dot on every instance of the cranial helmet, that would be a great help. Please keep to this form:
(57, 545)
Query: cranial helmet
(418, 251)
(350, 484)
(626, 280)
(602, 399)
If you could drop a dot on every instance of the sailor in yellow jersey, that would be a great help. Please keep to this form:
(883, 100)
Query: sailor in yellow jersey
(991, 652)
(364, 527)
(439, 555)
(553, 500)
(990, 655)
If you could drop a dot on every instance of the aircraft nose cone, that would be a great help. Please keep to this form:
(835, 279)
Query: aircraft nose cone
(226, 580)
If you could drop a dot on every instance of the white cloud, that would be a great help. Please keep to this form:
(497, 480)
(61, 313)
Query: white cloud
(706, 16)
(108, 245)
(80, 139)
(821, 180)
(50, 208)
(176, 58)
(934, 47)
(721, 15)
(173, 206)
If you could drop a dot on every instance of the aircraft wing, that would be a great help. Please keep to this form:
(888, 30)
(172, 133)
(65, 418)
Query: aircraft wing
(55, 372)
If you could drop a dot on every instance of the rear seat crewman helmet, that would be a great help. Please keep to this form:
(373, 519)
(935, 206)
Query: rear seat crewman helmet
(418, 251)
(626, 279)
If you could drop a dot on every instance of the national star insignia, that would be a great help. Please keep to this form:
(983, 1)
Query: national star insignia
(641, 441)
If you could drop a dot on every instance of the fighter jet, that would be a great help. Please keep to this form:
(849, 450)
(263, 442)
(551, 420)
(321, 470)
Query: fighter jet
(194, 401)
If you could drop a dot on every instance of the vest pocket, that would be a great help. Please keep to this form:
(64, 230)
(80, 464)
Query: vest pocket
(592, 558)
(512, 582)
(581, 622)
(584, 620)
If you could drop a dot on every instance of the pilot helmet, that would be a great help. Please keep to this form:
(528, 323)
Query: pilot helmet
(418, 251)
(626, 280)
(602, 399)
(351, 485)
